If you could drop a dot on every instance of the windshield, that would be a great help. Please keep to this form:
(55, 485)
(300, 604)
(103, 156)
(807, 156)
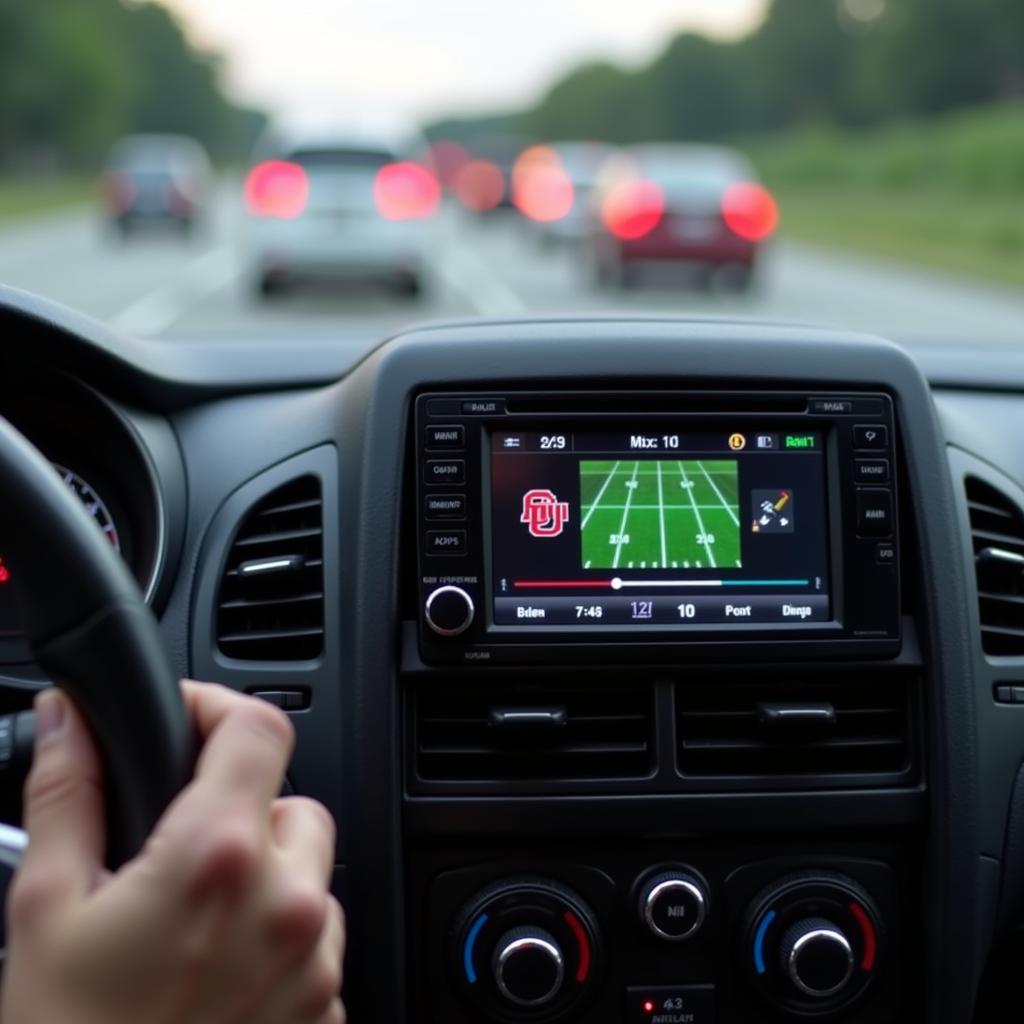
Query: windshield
(204, 169)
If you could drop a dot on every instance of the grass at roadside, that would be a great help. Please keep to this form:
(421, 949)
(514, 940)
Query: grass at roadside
(973, 235)
(947, 192)
(21, 198)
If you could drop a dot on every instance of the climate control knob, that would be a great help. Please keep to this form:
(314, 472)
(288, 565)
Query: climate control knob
(449, 611)
(673, 905)
(814, 942)
(529, 967)
(817, 957)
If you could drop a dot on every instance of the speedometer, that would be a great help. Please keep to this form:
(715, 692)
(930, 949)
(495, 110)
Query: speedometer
(92, 503)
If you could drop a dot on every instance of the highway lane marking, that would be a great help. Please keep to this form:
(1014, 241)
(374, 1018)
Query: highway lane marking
(159, 309)
(464, 272)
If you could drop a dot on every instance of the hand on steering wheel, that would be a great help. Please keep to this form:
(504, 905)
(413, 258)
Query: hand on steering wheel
(223, 917)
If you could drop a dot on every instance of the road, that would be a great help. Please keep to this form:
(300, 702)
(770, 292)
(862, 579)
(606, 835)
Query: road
(163, 285)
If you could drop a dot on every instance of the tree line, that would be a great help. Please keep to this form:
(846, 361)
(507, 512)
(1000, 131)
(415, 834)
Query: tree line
(811, 62)
(75, 75)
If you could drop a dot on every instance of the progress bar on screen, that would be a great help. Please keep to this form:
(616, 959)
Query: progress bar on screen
(617, 583)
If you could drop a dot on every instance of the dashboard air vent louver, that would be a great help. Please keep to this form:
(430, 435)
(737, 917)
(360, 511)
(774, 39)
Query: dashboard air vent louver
(271, 601)
(997, 532)
(501, 733)
(799, 730)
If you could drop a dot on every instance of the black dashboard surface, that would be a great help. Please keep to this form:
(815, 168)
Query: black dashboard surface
(245, 417)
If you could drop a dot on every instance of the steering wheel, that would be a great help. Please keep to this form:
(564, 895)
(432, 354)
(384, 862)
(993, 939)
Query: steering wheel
(93, 634)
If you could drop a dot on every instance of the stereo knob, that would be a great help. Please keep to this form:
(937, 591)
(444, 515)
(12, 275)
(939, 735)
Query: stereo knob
(817, 957)
(673, 905)
(529, 967)
(449, 611)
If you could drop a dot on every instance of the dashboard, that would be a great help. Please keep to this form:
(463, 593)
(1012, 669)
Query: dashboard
(655, 670)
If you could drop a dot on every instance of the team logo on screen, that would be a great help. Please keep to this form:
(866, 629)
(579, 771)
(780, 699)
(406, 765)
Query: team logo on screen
(544, 514)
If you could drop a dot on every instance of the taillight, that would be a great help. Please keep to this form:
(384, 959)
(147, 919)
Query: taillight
(632, 209)
(541, 190)
(277, 189)
(480, 185)
(406, 191)
(750, 211)
(120, 191)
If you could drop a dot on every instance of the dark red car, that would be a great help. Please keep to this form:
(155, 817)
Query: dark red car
(695, 204)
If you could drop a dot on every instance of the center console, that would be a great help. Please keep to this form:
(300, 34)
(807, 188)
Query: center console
(673, 528)
(663, 710)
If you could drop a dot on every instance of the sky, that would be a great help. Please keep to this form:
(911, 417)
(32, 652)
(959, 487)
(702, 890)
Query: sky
(427, 58)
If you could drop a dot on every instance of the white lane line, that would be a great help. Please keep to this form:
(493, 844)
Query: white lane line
(159, 309)
(721, 498)
(600, 495)
(464, 272)
(696, 512)
(661, 517)
(625, 515)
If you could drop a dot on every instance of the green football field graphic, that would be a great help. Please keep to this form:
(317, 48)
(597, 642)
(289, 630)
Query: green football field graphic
(660, 514)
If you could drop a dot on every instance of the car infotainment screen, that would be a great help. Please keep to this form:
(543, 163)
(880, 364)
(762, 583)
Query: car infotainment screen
(662, 528)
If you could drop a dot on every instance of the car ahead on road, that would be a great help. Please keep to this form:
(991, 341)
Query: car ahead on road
(351, 204)
(581, 162)
(156, 180)
(671, 203)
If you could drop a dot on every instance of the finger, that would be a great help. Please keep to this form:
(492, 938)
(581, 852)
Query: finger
(64, 811)
(215, 835)
(245, 756)
(304, 831)
(335, 1014)
(209, 704)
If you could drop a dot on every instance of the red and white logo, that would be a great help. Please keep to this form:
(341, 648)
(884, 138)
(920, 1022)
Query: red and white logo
(545, 515)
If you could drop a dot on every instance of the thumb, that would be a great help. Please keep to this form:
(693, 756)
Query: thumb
(64, 811)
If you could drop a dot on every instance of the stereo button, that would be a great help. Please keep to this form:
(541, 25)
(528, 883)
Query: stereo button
(446, 437)
(445, 506)
(445, 471)
(871, 471)
(874, 436)
(446, 542)
(449, 611)
(874, 512)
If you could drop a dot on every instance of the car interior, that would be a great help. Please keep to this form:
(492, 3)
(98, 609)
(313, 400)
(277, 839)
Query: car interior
(580, 772)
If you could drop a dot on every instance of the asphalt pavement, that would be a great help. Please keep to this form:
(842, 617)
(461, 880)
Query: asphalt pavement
(166, 285)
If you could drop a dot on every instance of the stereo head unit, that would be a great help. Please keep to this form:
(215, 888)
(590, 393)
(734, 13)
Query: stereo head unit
(683, 521)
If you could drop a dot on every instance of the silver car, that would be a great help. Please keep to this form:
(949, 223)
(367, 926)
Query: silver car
(350, 203)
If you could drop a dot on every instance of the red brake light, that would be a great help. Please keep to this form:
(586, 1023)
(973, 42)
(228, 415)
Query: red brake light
(119, 190)
(480, 185)
(277, 189)
(5, 574)
(632, 209)
(449, 158)
(541, 189)
(750, 211)
(406, 191)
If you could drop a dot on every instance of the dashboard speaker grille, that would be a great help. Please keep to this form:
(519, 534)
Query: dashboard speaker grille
(798, 730)
(532, 732)
(271, 601)
(997, 533)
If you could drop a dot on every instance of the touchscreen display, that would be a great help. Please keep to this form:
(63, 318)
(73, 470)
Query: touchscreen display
(664, 529)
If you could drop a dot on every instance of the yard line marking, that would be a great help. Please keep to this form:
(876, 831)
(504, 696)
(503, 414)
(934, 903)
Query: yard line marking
(721, 498)
(600, 495)
(625, 516)
(696, 512)
(661, 516)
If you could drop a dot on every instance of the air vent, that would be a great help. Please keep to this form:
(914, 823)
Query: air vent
(997, 532)
(271, 602)
(557, 732)
(809, 730)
